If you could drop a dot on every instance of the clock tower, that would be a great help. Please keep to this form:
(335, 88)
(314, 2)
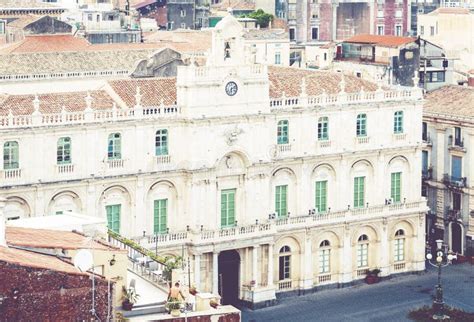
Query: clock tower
(230, 83)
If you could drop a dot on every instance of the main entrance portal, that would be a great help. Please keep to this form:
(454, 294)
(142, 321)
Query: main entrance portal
(229, 265)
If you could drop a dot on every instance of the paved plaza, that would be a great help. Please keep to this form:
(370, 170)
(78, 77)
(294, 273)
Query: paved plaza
(386, 301)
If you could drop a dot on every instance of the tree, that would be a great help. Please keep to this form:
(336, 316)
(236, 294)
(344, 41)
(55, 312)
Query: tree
(263, 18)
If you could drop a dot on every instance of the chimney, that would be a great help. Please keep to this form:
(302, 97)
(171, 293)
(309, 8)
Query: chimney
(3, 241)
(470, 78)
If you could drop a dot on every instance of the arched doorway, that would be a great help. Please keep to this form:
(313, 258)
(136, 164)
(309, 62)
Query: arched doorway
(229, 265)
(456, 238)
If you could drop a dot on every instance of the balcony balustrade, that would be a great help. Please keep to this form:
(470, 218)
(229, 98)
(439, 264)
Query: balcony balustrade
(275, 226)
(454, 181)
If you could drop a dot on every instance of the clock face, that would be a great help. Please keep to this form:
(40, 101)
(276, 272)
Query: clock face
(231, 88)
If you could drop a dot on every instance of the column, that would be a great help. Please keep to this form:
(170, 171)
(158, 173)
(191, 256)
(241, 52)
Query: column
(215, 273)
(346, 258)
(307, 269)
(270, 266)
(197, 271)
(255, 264)
(384, 251)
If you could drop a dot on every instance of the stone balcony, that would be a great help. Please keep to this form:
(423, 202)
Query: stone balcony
(275, 226)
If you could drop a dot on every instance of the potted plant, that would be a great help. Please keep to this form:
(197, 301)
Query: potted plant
(192, 290)
(213, 304)
(373, 276)
(130, 297)
(174, 308)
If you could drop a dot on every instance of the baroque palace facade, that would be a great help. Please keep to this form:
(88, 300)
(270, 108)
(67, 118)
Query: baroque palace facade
(270, 179)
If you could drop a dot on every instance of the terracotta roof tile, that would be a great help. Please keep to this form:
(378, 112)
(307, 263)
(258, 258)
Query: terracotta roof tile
(234, 4)
(387, 41)
(457, 11)
(54, 102)
(288, 80)
(23, 21)
(31, 259)
(451, 100)
(56, 239)
(20, 4)
(153, 91)
(48, 43)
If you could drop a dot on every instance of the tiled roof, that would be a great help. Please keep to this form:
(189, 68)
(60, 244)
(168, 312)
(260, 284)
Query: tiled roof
(451, 101)
(153, 91)
(385, 41)
(31, 259)
(27, 4)
(288, 80)
(182, 40)
(55, 239)
(457, 11)
(143, 3)
(264, 34)
(54, 102)
(48, 43)
(63, 62)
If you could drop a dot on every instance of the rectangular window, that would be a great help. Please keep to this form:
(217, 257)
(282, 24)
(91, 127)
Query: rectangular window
(457, 136)
(456, 201)
(395, 190)
(183, 25)
(432, 31)
(399, 247)
(398, 30)
(424, 132)
(362, 255)
(323, 129)
(292, 33)
(113, 217)
(161, 142)
(282, 132)
(324, 261)
(64, 151)
(160, 213)
(114, 147)
(314, 33)
(321, 196)
(277, 58)
(422, 30)
(380, 30)
(183, 13)
(2, 27)
(228, 208)
(284, 269)
(456, 168)
(281, 205)
(359, 191)
(361, 126)
(11, 157)
(398, 122)
(424, 161)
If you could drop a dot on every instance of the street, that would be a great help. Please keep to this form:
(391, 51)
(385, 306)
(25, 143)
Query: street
(389, 300)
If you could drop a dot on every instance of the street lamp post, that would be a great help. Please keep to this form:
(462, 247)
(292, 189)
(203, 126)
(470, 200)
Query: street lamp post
(443, 258)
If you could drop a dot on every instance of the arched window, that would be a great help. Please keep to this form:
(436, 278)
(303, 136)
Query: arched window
(161, 142)
(324, 257)
(398, 122)
(363, 251)
(114, 149)
(361, 126)
(285, 263)
(323, 129)
(399, 246)
(283, 132)
(63, 155)
(11, 157)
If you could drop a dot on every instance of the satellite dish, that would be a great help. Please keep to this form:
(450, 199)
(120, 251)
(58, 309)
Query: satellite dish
(83, 260)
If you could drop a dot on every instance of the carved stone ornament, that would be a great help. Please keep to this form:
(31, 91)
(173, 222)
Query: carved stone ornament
(232, 135)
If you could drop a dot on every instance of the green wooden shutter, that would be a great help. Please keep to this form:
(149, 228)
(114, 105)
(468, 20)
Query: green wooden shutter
(321, 196)
(160, 216)
(281, 207)
(359, 187)
(395, 191)
(283, 132)
(113, 217)
(227, 208)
